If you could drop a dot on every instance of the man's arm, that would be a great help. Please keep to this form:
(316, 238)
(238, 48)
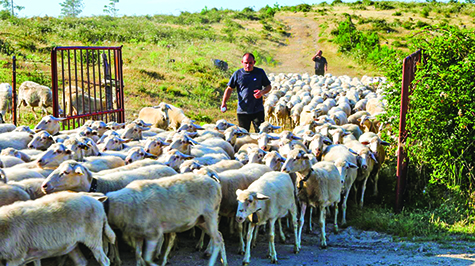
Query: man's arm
(227, 94)
(259, 93)
(326, 66)
(313, 58)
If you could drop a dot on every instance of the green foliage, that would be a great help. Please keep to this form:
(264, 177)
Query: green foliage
(71, 8)
(397, 13)
(425, 12)
(110, 8)
(442, 116)
(380, 5)
(7, 4)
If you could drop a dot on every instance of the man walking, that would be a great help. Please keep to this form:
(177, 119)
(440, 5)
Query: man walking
(321, 64)
(249, 82)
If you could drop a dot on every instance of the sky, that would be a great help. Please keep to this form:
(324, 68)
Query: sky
(145, 7)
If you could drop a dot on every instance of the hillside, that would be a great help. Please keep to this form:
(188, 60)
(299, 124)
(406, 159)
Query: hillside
(282, 38)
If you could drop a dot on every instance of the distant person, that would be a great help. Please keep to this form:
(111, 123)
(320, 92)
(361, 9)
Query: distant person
(321, 64)
(251, 84)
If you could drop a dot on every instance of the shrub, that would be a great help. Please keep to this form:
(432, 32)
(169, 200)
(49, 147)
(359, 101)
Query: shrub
(383, 6)
(442, 114)
(425, 12)
(397, 13)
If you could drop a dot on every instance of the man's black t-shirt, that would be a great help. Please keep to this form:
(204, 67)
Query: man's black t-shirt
(246, 83)
(320, 64)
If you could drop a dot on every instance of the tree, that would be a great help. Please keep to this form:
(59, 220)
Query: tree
(71, 8)
(9, 5)
(110, 8)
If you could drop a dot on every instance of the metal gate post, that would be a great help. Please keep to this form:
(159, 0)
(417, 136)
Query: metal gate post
(408, 71)
(14, 97)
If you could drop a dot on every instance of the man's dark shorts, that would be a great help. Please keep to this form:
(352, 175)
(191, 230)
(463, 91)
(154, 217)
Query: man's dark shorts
(245, 120)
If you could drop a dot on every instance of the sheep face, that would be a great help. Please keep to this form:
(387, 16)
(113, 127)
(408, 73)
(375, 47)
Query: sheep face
(70, 175)
(274, 160)
(55, 155)
(248, 204)
(297, 161)
(49, 123)
(114, 143)
(154, 146)
(136, 154)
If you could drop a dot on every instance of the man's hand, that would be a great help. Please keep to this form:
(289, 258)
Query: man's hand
(224, 107)
(257, 94)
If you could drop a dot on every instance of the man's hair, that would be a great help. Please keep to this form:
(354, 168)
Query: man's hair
(249, 54)
(319, 52)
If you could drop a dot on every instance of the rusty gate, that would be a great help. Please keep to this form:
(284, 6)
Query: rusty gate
(409, 68)
(87, 83)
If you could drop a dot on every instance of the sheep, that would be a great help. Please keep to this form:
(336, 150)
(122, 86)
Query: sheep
(375, 106)
(140, 212)
(20, 172)
(41, 141)
(176, 116)
(366, 163)
(136, 154)
(376, 145)
(16, 153)
(133, 131)
(264, 142)
(31, 186)
(274, 160)
(281, 113)
(113, 143)
(230, 181)
(16, 140)
(9, 161)
(346, 163)
(78, 103)
(157, 115)
(100, 127)
(339, 117)
(54, 225)
(316, 145)
(267, 199)
(255, 154)
(267, 127)
(155, 146)
(131, 166)
(5, 100)
(318, 185)
(10, 194)
(115, 126)
(58, 153)
(50, 124)
(75, 176)
(34, 95)
(222, 125)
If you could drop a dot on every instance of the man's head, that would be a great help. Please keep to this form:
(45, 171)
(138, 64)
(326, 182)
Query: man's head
(248, 62)
(319, 53)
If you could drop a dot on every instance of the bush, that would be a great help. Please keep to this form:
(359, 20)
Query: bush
(383, 6)
(425, 12)
(397, 13)
(442, 115)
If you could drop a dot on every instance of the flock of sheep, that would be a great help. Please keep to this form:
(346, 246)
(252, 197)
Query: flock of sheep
(162, 174)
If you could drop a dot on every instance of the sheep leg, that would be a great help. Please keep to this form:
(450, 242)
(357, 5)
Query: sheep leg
(363, 189)
(200, 244)
(310, 227)
(343, 206)
(158, 251)
(376, 178)
(335, 222)
(231, 226)
(254, 239)
(138, 243)
(323, 239)
(272, 252)
(247, 254)
(150, 247)
(242, 246)
(34, 113)
(293, 216)
(281, 232)
(303, 208)
(38, 262)
(171, 240)
(76, 256)
(210, 226)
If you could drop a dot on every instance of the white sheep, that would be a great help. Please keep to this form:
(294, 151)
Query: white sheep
(157, 115)
(267, 199)
(41, 141)
(16, 140)
(17, 153)
(141, 213)
(74, 176)
(34, 95)
(5, 100)
(318, 185)
(49, 123)
(346, 163)
(53, 225)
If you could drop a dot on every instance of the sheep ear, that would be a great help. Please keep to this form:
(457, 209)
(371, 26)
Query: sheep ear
(260, 196)
(384, 143)
(238, 192)
(67, 151)
(78, 170)
(327, 141)
(3, 177)
(352, 165)
(373, 157)
(352, 151)
(365, 143)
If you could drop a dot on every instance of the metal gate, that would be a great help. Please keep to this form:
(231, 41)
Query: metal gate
(87, 83)
(408, 71)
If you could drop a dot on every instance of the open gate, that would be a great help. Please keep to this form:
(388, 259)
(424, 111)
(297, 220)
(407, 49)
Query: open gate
(87, 83)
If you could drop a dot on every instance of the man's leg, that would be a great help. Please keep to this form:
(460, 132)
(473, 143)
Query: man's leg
(245, 121)
(257, 120)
